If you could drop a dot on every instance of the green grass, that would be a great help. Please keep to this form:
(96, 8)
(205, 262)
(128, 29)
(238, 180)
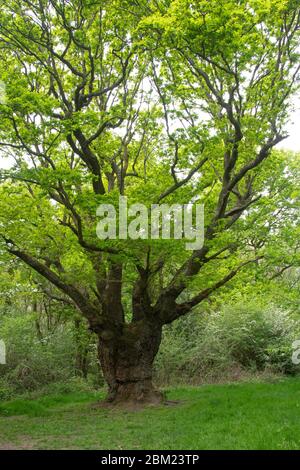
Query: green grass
(234, 416)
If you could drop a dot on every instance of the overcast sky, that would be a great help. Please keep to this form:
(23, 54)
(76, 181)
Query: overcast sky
(293, 129)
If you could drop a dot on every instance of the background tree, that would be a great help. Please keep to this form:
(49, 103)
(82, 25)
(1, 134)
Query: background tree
(171, 101)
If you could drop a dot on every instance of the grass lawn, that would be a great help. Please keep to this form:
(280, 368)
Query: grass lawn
(234, 416)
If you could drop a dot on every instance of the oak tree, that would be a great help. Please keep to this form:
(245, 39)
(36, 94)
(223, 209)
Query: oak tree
(161, 101)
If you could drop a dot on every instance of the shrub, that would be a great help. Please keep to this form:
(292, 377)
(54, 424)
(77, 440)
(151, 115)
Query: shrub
(238, 339)
(34, 362)
(7, 391)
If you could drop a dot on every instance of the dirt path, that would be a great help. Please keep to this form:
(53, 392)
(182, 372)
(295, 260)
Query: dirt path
(25, 444)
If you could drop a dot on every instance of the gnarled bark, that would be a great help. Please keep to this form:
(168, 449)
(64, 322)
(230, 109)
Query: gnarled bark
(127, 363)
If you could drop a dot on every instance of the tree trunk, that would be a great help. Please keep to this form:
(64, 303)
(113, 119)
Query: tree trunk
(127, 363)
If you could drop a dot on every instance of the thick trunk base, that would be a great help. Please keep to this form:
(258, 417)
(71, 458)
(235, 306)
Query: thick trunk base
(127, 364)
(135, 393)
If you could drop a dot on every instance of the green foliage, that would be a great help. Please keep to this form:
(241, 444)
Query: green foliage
(7, 390)
(151, 89)
(34, 362)
(239, 339)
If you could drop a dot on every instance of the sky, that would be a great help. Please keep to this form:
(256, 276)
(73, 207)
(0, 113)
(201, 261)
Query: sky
(293, 129)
